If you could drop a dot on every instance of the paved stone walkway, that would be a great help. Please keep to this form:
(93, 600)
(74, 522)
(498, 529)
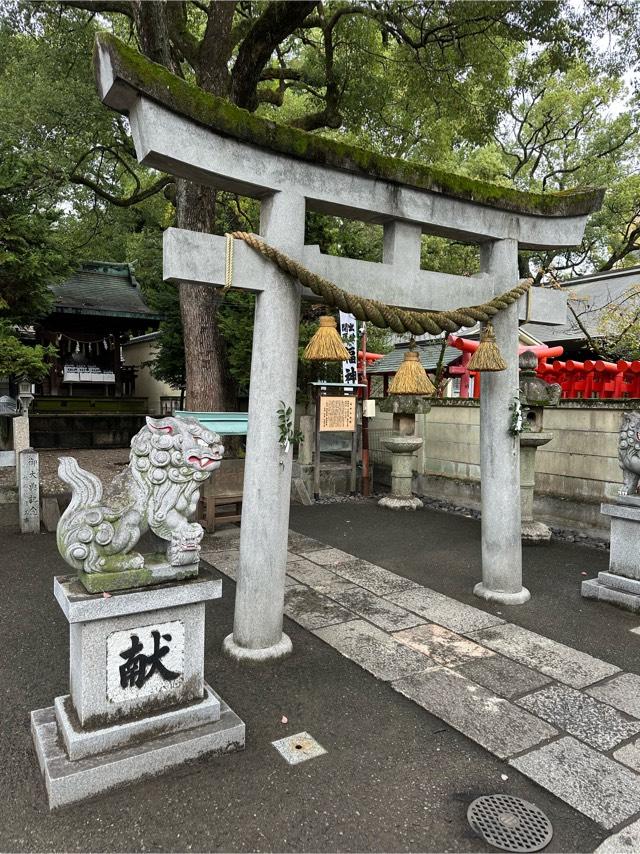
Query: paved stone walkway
(568, 721)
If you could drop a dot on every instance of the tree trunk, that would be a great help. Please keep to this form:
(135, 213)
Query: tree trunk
(209, 385)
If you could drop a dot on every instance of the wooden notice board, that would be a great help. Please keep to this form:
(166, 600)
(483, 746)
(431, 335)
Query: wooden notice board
(337, 414)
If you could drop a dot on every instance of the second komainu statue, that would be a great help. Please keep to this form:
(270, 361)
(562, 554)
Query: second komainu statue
(629, 453)
(158, 492)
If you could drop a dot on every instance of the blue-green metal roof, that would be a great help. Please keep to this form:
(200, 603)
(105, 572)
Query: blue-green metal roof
(223, 423)
(429, 357)
(102, 288)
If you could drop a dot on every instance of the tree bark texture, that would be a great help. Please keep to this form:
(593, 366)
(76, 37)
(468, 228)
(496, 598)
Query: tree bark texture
(210, 387)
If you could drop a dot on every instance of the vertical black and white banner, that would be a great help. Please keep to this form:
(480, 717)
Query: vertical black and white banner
(349, 333)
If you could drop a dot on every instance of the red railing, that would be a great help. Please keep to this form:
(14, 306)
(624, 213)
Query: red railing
(592, 378)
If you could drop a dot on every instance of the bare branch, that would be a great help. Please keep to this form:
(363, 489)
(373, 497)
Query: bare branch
(118, 201)
(121, 7)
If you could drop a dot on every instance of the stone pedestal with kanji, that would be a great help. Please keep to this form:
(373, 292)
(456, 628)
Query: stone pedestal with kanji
(138, 703)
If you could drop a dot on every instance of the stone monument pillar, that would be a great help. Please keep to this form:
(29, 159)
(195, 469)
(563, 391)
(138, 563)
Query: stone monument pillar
(621, 584)
(138, 703)
(29, 491)
(21, 439)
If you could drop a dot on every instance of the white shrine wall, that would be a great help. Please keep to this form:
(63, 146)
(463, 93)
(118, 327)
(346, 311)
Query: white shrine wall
(575, 472)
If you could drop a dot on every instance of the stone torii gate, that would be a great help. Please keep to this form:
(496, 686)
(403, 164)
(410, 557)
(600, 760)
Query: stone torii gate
(187, 133)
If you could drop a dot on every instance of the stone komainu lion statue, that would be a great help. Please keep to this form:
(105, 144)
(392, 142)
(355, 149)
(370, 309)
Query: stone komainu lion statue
(159, 490)
(629, 452)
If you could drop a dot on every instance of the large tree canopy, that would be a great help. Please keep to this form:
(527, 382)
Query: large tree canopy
(513, 92)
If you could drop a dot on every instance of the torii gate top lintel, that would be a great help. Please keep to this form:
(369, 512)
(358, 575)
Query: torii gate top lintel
(337, 178)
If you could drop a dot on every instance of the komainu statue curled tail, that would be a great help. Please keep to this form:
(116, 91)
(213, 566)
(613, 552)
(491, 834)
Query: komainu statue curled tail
(629, 452)
(158, 491)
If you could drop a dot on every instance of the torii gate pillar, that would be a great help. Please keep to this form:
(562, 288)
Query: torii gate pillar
(499, 450)
(257, 626)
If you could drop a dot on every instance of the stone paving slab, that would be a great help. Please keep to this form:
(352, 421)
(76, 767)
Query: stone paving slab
(317, 577)
(225, 561)
(441, 645)
(594, 784)
(623, 692)
(374, 578)
(311, 609)
(593, 722)
(373, 649)
(447, 612)
(627, 840)
(560, 662)
(491, 721)
(328, 557)
(300, 543)
(227, 538)
(373, 608)
(629, 755)
(503, 676)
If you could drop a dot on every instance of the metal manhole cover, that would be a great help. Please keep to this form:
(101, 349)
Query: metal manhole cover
(509, 823)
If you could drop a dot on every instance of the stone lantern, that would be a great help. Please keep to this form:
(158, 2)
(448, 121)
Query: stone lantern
(403, 445)
(535, 394)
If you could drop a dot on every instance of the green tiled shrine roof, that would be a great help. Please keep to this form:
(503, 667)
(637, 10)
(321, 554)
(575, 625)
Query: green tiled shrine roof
(429, 356)
(102, 288)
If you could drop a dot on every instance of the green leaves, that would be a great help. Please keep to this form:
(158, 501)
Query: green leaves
(288, 436)
(21, 360)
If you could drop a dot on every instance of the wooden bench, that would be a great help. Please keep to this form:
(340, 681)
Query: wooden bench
(221, 499)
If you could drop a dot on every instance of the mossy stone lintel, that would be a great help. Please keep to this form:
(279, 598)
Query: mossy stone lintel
(129, 579)
(156, 82)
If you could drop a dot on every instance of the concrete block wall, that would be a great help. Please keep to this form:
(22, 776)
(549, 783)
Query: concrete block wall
(575, 472)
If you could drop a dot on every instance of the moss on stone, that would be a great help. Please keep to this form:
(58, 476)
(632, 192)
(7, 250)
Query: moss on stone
(157, 83)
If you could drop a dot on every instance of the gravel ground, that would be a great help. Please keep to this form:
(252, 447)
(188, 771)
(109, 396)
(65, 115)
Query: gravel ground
(105, 463)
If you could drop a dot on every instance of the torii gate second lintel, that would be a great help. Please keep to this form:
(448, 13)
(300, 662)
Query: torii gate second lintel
(288, 186)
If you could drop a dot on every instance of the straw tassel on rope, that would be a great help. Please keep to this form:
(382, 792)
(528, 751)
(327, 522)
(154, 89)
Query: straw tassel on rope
(488, 356)
(326, 345)
(411, 377)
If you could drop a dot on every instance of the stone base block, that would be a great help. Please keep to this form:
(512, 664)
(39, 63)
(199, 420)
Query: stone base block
(156, 570)
(80, 743)
(69, 781)
(501, 596)
(397, 502)
(245, 655)
(625, 539)
(593, 589)
(619, 582)
(535, 533)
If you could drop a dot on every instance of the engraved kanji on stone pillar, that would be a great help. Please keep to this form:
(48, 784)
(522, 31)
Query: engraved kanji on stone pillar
(29, 492)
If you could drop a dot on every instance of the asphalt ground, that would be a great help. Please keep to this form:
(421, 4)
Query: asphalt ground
(394, 779)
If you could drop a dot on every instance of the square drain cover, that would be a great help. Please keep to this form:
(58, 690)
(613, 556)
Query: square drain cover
(298, 748)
